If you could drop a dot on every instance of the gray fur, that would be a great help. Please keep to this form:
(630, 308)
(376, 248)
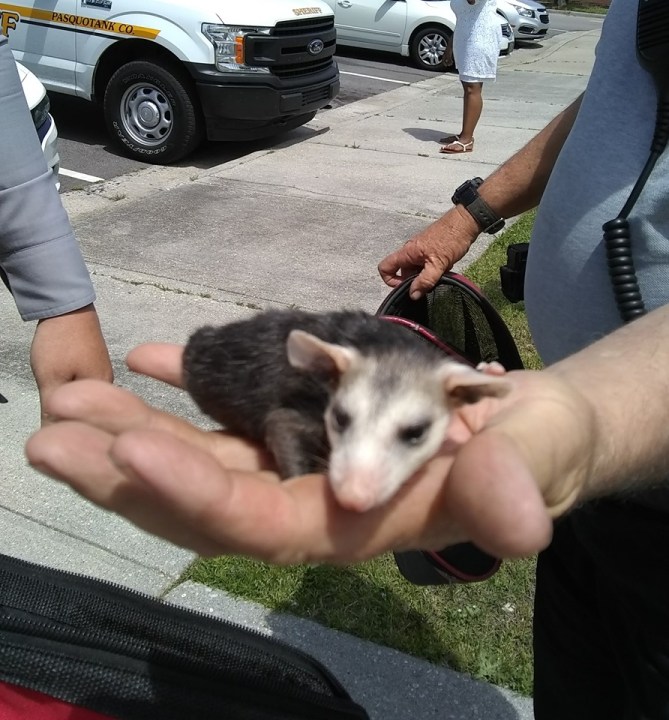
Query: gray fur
(363, 398)
(239, 375)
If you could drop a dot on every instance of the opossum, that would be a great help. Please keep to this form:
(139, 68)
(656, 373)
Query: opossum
(346, 393)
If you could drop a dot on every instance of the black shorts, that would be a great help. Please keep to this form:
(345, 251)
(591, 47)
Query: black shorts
(601, 625)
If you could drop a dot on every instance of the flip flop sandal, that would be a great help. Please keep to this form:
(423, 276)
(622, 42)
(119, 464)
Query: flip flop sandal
(457, 147)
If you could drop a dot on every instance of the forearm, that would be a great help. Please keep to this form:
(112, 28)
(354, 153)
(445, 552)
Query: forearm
(625, 379)
(518, 184)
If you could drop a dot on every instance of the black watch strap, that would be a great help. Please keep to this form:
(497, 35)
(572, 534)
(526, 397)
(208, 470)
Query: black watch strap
(467, 195)
(488, 220)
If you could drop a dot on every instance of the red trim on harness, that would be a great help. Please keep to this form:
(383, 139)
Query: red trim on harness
(428, 335)
(442, 566)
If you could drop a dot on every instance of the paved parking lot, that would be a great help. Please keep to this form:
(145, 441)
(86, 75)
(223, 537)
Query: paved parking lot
(87, 156)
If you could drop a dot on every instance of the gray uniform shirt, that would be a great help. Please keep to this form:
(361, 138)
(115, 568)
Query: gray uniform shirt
(568, 293)
(39, 254)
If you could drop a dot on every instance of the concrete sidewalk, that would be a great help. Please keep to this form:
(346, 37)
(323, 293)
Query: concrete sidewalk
(303, 221)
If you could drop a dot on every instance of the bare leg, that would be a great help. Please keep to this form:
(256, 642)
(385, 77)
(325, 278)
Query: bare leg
(471, 113)
(472, 108)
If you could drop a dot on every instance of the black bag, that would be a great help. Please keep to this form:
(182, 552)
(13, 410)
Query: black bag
(455, 316)
(94, 645)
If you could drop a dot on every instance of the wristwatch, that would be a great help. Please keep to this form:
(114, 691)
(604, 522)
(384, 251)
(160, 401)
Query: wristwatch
(468, 196)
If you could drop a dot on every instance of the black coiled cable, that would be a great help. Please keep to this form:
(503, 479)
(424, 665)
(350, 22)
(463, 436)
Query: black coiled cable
(652, 47)
(626, 291)
(617, 236)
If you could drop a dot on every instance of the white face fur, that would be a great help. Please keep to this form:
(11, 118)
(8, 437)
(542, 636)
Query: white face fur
(381, 433)
(387, 417)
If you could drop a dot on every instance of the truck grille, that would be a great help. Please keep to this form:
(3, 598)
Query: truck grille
(301, 68)
(297, 27)
(317, 95)
(294, 48)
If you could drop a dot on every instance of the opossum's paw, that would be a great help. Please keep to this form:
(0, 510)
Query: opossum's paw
(491, 368)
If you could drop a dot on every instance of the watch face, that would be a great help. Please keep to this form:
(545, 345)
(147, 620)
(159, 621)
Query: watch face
(465, 194)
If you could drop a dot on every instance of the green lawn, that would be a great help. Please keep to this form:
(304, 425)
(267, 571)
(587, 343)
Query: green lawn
(483, 629)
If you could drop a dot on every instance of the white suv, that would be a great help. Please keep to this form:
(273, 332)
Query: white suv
(38, 102)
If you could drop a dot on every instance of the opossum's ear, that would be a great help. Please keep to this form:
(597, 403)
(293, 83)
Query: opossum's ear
(307, 352)
(464, 385)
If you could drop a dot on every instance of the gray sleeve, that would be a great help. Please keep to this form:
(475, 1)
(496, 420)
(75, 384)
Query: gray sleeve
(39, 256)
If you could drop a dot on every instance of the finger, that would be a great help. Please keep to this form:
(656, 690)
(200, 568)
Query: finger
(388, 269)
(112, 409)
(115, 411)
(49, 451)
(162, 361)
(426, 279)
(491, 368)
(80, 456)
(398, 266)
(496, 499)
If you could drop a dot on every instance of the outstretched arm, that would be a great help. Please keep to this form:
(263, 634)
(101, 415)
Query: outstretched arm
(563, 436)
(515, 187)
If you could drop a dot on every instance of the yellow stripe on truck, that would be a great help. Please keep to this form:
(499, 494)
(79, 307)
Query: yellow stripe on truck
(82, 21)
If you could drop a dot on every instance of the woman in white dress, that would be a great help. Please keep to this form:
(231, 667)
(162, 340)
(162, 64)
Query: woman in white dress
(476, 44)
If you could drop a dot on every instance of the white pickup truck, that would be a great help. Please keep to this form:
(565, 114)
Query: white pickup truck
(170, 72)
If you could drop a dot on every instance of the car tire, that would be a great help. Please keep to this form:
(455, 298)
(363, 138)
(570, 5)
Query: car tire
(152, 112)
(430, 48)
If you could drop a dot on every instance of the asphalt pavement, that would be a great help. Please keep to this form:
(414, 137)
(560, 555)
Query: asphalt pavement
(301, 223)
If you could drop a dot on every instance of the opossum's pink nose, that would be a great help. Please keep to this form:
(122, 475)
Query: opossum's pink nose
(358, 492)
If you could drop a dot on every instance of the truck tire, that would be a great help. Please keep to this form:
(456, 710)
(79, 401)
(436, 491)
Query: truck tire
(152, 112)
(429, 48)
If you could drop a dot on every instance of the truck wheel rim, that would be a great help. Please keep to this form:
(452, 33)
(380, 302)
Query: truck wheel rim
(146, 114)
(431, 49)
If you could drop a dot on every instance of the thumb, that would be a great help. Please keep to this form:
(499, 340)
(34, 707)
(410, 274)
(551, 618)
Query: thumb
(496, 499)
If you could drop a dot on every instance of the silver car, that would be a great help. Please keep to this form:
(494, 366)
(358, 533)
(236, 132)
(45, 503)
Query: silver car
(528, 19)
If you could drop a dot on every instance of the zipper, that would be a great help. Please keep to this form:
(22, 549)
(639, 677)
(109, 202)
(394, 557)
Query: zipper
(162, 616)
(165, 608)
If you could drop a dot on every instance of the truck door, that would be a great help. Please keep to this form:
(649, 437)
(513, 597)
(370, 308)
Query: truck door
(378, 23)
(42, 37)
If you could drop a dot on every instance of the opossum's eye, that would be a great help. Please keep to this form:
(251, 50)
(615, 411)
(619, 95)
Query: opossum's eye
(340, 418)
(414, 434)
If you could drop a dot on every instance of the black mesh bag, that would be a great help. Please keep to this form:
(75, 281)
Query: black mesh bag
(80, 648)
(456, 317)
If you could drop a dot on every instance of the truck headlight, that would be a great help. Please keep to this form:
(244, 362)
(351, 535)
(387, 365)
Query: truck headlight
(230, 47)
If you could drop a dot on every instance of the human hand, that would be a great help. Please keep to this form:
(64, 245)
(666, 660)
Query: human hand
(431, 252)
(68, 347)
(448, 55)
(507, 469)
